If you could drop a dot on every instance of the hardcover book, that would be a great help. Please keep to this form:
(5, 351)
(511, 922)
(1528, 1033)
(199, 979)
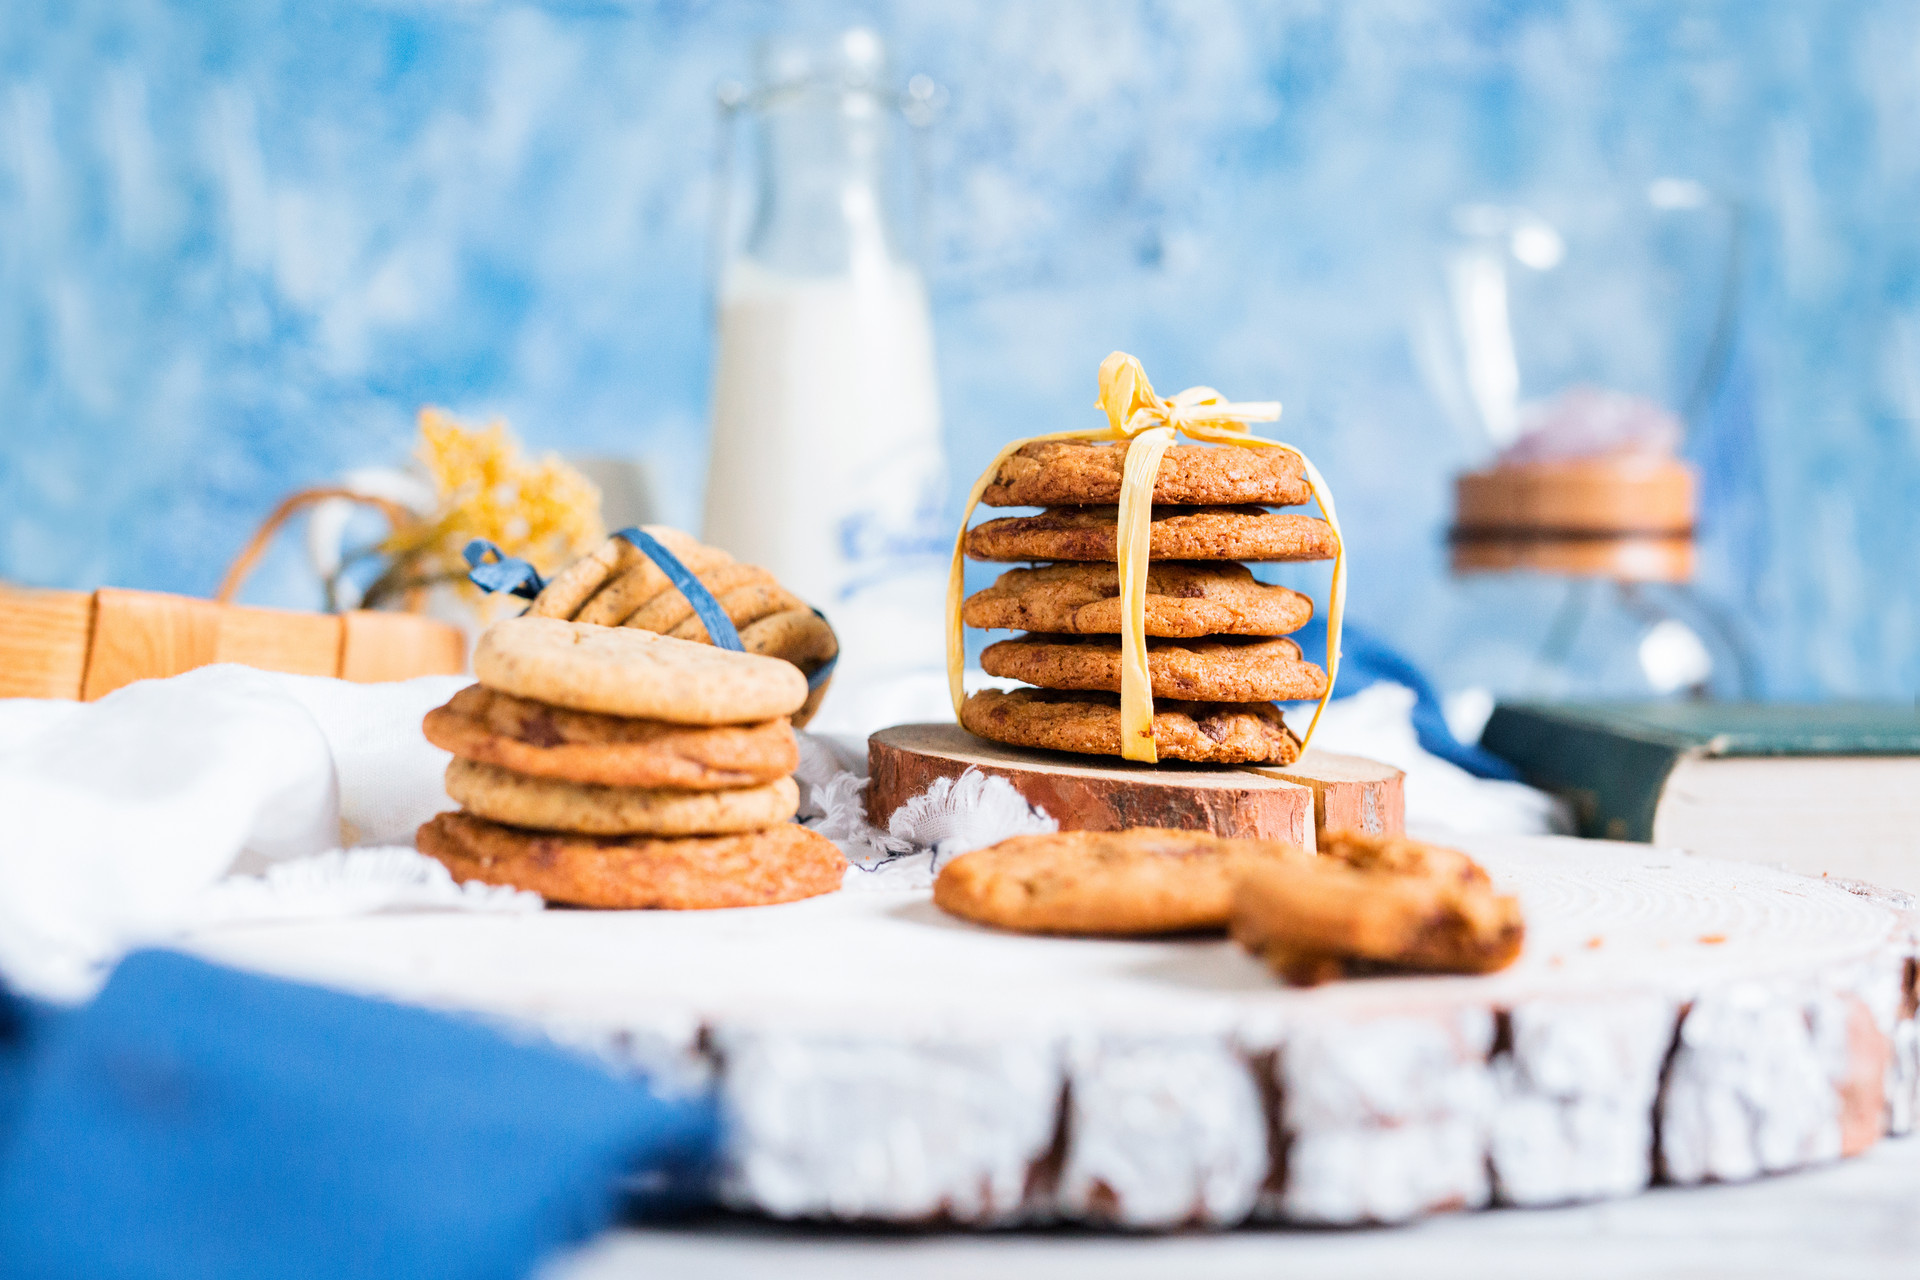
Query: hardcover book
(1829, 789)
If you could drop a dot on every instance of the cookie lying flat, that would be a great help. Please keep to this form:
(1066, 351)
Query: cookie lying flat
(1089, 723)
(1148, 880)
(1183, 601)
(1050, 473)
(1178, 533)
(572, 586)
(623, 671)
(781, 863)
(1376, 902)
(554, 804)
(1196, 670)
(580, 746)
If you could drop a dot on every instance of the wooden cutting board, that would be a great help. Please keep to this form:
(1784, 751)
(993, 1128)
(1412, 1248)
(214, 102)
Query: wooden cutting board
(1322, 791)
(1671, 1017)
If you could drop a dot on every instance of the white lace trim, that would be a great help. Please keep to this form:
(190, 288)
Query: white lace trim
(346, 882)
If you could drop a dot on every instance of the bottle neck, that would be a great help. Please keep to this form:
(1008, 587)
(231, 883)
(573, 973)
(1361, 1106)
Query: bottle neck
(824, 202)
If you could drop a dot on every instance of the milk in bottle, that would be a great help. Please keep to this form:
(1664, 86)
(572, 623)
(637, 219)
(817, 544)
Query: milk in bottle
(826, 460)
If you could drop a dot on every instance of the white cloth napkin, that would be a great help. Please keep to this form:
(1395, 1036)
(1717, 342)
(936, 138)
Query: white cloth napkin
(222, 794)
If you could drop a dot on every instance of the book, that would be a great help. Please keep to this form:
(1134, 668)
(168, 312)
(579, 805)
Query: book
(1828, 789)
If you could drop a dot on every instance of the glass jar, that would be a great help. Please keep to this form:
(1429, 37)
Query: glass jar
(827, 464)
(1575, 348)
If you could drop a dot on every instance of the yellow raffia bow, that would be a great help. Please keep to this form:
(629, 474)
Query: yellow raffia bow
(1135, 412)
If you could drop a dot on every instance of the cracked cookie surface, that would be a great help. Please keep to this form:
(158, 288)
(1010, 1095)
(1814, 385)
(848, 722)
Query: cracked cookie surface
(1089, 724)
(1051, 473)
(1147, 880)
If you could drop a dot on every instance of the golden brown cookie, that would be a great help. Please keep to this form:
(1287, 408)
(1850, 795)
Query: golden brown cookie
(1148, 880)
(553, 742)
(781, 863)
(670, 614)
(1183, 600)
(1220, 670)
(623, 671)
(1178, 533)
(1376, 902)
(1052, 473)
(800, 636)
(1089, 723)
(667, 609)
(615, 602)
(572, 586)
(555, 804)
(1400, 855)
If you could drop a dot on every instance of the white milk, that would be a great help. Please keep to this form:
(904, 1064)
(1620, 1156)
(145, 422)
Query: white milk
(826, 464)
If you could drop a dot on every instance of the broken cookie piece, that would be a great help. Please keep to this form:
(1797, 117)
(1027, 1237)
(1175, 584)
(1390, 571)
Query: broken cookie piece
(1369, 903)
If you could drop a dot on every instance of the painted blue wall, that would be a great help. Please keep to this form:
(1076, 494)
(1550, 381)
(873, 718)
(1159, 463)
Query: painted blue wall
(241, 240)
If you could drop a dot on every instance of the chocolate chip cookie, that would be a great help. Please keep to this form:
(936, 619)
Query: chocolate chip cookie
(1184, 600)
(1178, 533)
(780, 863)
(556, 804)
(615, 751)
(623, 671)
(1147, 880)
(1220, 670)
(1051, 473)
(1089, 723)
(1371, 903)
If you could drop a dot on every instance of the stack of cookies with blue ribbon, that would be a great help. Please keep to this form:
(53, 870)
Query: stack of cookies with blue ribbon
(617, 767)
(1218, 656)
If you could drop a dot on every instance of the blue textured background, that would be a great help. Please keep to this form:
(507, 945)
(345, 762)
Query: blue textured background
(240, 242)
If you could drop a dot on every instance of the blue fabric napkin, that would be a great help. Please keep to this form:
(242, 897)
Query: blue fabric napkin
(1366, 659)
(195, 1121)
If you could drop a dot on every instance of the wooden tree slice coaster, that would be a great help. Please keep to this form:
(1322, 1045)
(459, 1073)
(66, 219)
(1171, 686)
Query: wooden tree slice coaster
(1671, 1018)
(1085, 793)
(1350, 793)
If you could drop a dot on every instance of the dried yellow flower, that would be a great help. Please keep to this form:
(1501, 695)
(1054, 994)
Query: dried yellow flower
(543, 512)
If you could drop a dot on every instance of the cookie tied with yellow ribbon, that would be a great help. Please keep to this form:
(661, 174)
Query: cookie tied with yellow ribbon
(1139, 536)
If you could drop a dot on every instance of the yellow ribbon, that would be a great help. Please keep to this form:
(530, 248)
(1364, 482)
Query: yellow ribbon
(1135, 412)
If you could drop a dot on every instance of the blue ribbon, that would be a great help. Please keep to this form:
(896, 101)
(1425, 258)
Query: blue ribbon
(503, 573)
(719, 626)
(825, 673)
(519, 578)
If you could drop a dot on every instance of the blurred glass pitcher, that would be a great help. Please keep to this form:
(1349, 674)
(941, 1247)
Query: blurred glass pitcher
(826, 464)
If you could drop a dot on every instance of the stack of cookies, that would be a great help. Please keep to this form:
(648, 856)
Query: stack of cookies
(618, 586)
(614, 767)
(1217, 652)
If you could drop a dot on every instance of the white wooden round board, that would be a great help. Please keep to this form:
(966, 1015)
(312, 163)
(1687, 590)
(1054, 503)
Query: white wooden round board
(1671, 1017)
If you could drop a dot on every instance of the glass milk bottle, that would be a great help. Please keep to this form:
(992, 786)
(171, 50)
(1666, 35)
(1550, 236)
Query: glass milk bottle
(826, 465)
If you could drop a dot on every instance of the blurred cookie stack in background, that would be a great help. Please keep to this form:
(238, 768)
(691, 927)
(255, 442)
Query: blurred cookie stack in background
(613, 767)
(618, 586)
(1217, 651)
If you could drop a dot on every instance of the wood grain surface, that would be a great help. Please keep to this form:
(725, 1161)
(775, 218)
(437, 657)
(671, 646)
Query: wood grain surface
(72, 644)
(140, 635)
(379, 646)
(1671, 1018)
(1085, 793)
(43, 642)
